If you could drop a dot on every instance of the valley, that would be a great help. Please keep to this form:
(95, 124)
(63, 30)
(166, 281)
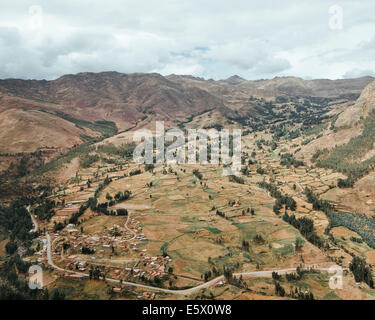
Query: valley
(104, 227)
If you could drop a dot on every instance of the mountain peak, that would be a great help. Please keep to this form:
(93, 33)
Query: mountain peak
(235, 80)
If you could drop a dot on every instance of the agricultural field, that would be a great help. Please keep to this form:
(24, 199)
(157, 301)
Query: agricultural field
(179, 230)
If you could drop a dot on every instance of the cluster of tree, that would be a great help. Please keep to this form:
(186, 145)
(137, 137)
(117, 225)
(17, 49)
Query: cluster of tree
(15, 221)
(293, 134)
(278, 131)
(13, 270)
(74, 218)
(357, 240)
(216, 126)
(86, 159)
(295, 294)
(346, 183)
(261, 170)
(119, 197)
(110, 161)
(149, 167)
(236, 179)
(95, 273)
(124, 151)
(157, 281)
(276, 276)
(23, 167)
(77, 151)
(281, 200)
(292, 277)
(347, 158)
(23, 164)
(122, 212)
(87, 250)
(135, 172)
(106, 128)
(306, 227)
(321, 205)
(122, 196)
(93, 204)
(13, 283)
(288, 160)
(361, 272)
(103, 208)
(58, 226)
(9, 188)
(279, 290)
(45, 210)
(270, 143)
(11, 247)
(245, 170)
(358, 223)
(102, 185)
(307, 141)
(300, 295)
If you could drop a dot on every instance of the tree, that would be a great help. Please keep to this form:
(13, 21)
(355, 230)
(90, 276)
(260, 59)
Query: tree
(11, 247)
(58, 226)
(279, 290)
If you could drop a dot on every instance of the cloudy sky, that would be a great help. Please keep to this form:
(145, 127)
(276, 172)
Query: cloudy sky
(206, 38)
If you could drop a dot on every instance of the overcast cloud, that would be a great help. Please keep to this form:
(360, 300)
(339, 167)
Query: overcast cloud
(211, 39)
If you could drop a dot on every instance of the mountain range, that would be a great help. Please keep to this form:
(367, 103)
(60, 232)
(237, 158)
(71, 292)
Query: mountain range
(65, 112)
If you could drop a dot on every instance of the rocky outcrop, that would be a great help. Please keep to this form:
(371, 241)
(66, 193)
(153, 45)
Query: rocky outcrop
(364, 104)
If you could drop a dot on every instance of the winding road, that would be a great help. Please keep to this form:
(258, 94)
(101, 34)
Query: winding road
(130, 230)
(35, 223)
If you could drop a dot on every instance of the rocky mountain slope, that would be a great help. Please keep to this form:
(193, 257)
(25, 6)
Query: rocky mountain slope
(66, 111)
(350, 122)
(361, 109)
(123, 99)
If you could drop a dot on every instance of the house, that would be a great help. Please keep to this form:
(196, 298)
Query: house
(74, 276)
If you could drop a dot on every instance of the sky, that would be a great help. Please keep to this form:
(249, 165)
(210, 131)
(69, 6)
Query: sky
(204, 38)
